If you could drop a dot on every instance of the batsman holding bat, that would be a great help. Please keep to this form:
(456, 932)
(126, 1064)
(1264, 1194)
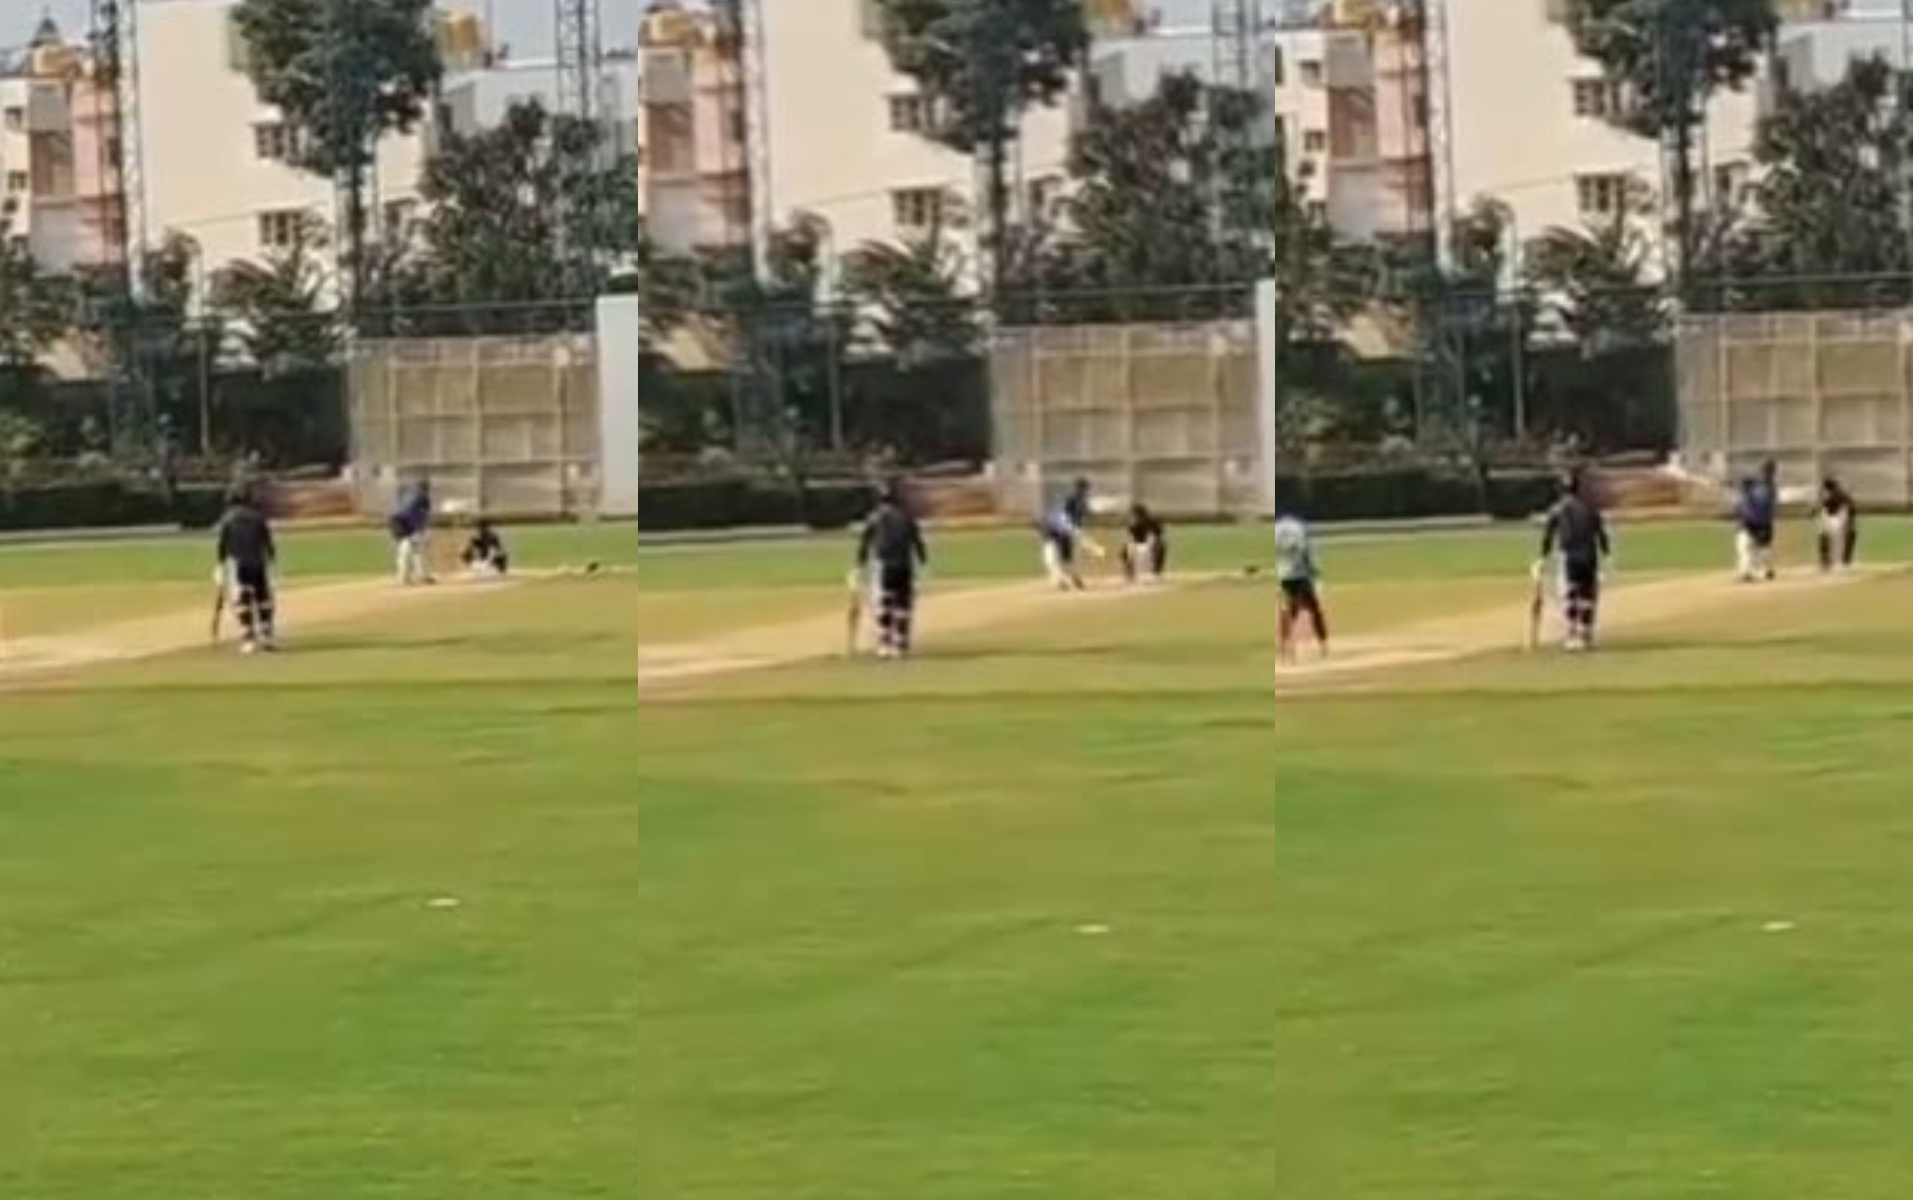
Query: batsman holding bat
(1578, 532)
(246, 554)
(891, 553)
(1062, 530)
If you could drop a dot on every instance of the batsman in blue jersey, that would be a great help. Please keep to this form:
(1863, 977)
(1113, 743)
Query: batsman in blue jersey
(411, 526)
(1755, 515)
(1063, 530)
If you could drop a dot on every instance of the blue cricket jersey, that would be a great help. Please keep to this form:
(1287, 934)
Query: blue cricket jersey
(1758, 505)
(414, 515)
(1065, 522)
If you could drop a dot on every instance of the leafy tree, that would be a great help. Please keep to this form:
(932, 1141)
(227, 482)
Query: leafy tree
(1667, 58)
(1595, 281)
(1171, 199)
(495, 224)
(277, 309)
(151, 344)
(1143, 209)
(33, 306)
(791, 342)
(1470, 329)
(344, 73)
(983, 63)
(915, 295)
(1830, 201)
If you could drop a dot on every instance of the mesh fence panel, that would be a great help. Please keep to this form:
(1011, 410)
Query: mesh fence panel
(1818, 393)
(1163, 413)
(505, 424)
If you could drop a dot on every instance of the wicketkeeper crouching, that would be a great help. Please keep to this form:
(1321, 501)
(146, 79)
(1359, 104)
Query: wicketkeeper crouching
(890, 553)
(246, 555)
(1146, 554)
(1839, 540)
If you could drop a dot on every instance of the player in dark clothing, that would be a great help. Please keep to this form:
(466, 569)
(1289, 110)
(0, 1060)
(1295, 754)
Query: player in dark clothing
(246, 555)
(892, 551)
(1839, 527)
(1146, 555)
(411, 525)
(485, 552)
(1577, 531)
(1756, 515)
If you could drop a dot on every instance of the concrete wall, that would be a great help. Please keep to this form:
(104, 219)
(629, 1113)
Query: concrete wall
(1171, 415)
(1819, 393)
(505, 426)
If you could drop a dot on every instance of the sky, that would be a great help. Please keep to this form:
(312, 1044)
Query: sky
(525, 25)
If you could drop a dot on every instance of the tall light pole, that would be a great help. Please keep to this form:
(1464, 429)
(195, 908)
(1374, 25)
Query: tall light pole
(580, 54)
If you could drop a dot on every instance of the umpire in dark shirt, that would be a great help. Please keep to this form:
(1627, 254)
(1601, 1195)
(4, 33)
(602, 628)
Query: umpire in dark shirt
(1578, 532)
(247, 554)
(892, 548)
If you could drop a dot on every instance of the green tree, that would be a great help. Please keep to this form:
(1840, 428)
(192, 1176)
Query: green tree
(1171, 199)
(150, 345)
(277, 310)
(1470, 329)
(915, 296)
(1828, 225)
(494, 230)
(790, 342)
(344, 73)
(1666, 59)
(34, 307)
(1596, 282)
(982, 64)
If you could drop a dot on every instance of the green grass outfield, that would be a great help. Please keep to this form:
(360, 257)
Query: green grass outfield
(1076, 907)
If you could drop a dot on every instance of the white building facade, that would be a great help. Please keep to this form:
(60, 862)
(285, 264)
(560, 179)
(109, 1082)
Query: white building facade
(1290, 72)
(214, 158)
(39, 165)
(843, 136)
(1814, 56)
(1527, 124)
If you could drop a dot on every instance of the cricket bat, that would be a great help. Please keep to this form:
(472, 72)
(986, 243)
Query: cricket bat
(219, 604)
(854, 614)
(1537, 608)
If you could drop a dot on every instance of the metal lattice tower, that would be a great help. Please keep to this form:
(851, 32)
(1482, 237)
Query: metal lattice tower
(1235, 27)
(1441, 127)
(757, 138)
(115, 45)
(1235, 24)
(579, 26)
(744, 22)
(580, 42)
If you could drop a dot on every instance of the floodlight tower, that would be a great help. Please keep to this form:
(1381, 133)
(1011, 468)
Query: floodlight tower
(1440, 125)
(1235, 26)
(114, 33)
(579, 25)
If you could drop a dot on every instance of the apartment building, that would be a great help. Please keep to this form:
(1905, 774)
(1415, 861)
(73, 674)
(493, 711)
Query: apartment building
(39, 182)
(696, 117)
(1528, 122)
(1289, 65)
(216, 161)
(844, 135)
(1346, 96)
(472, 101)
(1813, 55)
(1380, 170)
